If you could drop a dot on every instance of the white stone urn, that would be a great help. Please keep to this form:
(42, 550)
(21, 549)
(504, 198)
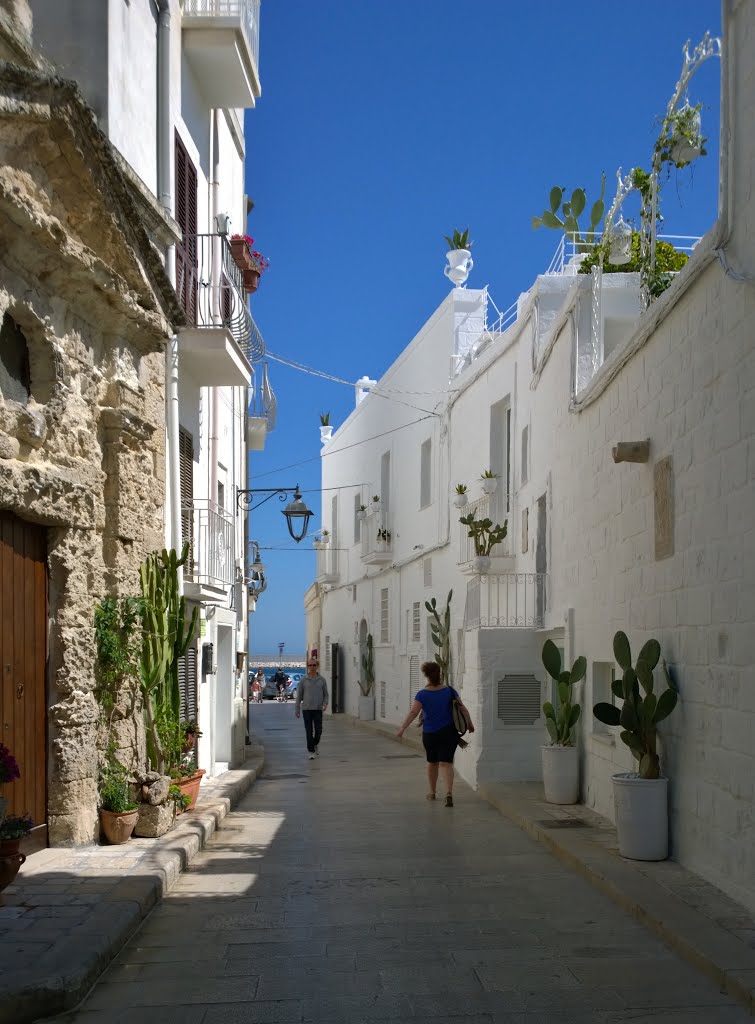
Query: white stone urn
(490, 484)
(460, 500)
(641, 807)
(325, 434)
(560, 773)
(481, 563)
(460, 264)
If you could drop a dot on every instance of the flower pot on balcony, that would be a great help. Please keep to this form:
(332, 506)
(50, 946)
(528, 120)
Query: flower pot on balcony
(251, 280)
(481, 563)
(361, 516)
(490, 484)
(460, 500)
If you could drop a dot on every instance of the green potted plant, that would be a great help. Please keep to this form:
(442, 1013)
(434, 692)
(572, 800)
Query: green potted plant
(191, 733)
(367, 683)
(250, 262)
(362, 513)
(375, 502)
(641, 797)
(571, 211)
(489, 481)
(326, 430)
(460, 495)
(118, 812)
(13, 829)
(560, 757)
(459, 258)
(684, 142)
(485, 534)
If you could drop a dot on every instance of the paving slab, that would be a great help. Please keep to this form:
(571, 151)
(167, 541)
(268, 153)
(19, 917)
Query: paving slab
(336, 893)
(70, 911)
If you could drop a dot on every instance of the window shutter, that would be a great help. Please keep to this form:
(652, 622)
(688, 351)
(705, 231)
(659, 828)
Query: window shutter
(519, 700)
(384, 617)
(428, 570)
(186, 218)
(187, 684)
(382, 700)
(327, 654)
(413, 677)
(416, 621)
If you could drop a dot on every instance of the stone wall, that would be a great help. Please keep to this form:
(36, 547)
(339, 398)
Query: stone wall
(84, 454)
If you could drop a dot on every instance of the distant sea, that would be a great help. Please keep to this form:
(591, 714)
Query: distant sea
(293, 660)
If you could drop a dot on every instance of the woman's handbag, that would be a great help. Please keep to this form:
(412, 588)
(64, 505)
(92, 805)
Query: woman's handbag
(460, 718)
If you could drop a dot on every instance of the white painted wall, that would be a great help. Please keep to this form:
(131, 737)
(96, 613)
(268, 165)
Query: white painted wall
(690, 388)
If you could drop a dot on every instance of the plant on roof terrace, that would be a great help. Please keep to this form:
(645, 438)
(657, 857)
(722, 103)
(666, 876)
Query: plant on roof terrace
(571, 211)
(459, 240)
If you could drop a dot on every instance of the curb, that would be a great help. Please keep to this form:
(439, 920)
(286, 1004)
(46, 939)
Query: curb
(65, 977)
(693, 935)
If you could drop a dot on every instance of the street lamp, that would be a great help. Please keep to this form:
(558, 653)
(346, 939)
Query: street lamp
(296, 512)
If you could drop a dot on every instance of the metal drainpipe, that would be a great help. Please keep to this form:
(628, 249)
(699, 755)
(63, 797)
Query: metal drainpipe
(165, 198)
(212, 393)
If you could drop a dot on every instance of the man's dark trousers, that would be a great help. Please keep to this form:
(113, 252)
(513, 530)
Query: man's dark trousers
(313, 728)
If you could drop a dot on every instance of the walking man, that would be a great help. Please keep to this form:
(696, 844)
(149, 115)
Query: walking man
(312, 700)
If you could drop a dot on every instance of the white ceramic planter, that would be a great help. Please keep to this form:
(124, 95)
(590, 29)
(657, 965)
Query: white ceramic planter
(641, 807)
(460, 264)
(361, 516)
(481, 563)
(460, 500)
(560, 774)
(490, 484)
(325, 434)
(367, 708)
(683, 153)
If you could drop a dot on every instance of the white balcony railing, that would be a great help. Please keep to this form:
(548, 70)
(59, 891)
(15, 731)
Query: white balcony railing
(377, 542)
(486, 507)
(210, 532)
(327, 564)
(569, 250)
(513, 600)
(247, 11)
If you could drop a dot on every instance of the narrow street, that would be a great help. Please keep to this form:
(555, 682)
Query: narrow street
(336, 893)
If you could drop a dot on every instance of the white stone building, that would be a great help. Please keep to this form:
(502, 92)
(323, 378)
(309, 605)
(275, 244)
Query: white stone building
(169, 82)
(664, 548)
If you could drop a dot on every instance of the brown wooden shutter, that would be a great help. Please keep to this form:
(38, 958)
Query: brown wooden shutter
(186, 465)
(187, 684)
(187, 281)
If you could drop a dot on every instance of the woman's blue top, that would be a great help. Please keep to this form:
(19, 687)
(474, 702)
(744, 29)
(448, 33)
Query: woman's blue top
(436, 708)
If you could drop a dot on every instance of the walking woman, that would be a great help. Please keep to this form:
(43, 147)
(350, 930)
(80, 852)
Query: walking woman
(439, 734)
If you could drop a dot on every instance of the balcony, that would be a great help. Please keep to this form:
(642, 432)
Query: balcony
(327, 564)
(221, 40)
(512, 600)
(377, 544)
(220, 340)
(499, 508)
(211, 566)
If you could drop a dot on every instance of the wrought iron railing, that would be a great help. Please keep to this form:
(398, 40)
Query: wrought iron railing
(210, 532)
(513, 600)
(375, 535)
(248, 11)
(497, 507)
(210, 287)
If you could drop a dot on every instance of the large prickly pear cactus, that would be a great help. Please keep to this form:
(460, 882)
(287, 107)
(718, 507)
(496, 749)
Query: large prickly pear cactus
(165, 638)
(571, 211)
(561, 721)
(639, 716)
(441, 633)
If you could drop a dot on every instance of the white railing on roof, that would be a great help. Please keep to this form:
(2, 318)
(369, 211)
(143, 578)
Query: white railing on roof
(494, 325)
(572, 247)
(248, 11)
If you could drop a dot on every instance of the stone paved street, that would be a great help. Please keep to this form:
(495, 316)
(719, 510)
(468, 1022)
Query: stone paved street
(335, 893)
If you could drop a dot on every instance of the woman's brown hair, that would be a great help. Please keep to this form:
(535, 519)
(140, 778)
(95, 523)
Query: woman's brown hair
(431, 670)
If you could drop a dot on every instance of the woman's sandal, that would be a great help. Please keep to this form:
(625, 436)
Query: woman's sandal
(430, 796)
(449, 800)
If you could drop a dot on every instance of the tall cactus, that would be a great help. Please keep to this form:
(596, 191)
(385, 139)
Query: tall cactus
(368, 669)
(561, 721)
(441, 634)
(639, 716)
(165, 638)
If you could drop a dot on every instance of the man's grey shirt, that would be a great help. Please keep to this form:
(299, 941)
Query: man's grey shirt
(311, 693)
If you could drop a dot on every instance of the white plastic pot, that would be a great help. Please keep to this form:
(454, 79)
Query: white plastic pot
(325, 434)
(490, 484)
(560, 774)
(367, 708)
(641, 807)
(481, 563)
(460, 500)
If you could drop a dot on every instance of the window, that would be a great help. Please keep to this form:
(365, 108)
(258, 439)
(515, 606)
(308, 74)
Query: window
(327, 654)
(525, 455)
(427, 566)
(384, 617)
(357, 522)
(15, 377)
(416, 621)
(186, 472)
(221, 495)
(500, 455)
(603, 674)
(385, 486)
(525, 530)
(382, 700)
(425, 474)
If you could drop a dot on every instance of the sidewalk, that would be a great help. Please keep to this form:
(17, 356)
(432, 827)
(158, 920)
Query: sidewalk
(701, 923)
(70, 911)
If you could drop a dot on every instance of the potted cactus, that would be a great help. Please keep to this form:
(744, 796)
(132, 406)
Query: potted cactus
(560, 756)
(489, 481)
(485, 535)
(367, 683)
(641, 797)
(460, 496)
(362, 513)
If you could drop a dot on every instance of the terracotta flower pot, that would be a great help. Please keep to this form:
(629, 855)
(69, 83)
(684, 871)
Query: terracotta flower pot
(189, 786)
(251, 279)
(118, 825)
(10, 861)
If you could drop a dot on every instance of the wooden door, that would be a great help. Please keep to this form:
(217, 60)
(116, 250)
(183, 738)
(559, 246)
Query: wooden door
(23, 662)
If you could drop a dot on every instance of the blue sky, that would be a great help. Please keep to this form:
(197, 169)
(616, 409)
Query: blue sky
(380, 129)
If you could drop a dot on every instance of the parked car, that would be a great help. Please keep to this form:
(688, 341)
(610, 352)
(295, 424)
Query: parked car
(293, 684)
